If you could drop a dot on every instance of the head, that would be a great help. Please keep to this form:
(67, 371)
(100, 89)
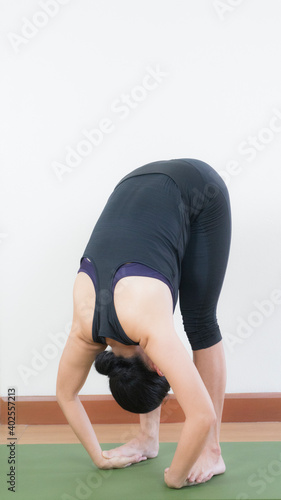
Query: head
(134, 385)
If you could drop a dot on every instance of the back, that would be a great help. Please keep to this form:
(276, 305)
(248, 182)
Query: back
(143, 222)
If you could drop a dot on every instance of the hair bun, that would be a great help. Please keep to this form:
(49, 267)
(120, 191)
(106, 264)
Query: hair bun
(105, 362)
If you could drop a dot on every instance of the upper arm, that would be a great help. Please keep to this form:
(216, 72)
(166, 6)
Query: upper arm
(75, 364)
(144, 308)
(167, 351)
(84, 298)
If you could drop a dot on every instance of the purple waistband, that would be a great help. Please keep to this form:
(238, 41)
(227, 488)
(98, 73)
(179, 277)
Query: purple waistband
(129, 269)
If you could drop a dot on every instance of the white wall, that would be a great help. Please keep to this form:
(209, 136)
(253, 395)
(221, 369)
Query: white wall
(218, 85)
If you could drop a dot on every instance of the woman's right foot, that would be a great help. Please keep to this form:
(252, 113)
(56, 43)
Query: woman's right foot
(209, 464)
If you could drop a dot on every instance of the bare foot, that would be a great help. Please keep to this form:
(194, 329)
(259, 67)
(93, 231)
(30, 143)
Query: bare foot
(148, 448)
(209, 464)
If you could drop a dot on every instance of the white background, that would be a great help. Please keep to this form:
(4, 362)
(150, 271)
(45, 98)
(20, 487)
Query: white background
(65, 71)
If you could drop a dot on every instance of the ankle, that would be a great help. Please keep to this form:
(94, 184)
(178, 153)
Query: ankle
(214, 448)
(213, 444)
(148, 436)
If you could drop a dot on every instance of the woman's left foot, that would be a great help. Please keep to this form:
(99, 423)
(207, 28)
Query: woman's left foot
(147, 447)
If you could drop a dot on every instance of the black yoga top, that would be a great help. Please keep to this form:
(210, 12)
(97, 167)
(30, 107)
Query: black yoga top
(145, 220)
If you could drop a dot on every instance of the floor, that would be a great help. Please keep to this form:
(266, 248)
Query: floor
(119, 433)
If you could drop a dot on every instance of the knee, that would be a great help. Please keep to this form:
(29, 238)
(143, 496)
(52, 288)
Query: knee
(204, 337)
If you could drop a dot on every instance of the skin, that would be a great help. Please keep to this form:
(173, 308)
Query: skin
(145, 310)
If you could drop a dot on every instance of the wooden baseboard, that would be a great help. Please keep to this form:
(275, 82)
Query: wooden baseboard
(103, 409)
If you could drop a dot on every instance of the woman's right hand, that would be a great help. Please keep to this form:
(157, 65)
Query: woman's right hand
(119, 462)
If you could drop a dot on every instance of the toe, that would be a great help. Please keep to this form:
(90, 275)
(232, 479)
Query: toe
(209, 477)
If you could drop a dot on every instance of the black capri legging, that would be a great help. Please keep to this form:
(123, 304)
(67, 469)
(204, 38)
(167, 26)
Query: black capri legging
(203, 267)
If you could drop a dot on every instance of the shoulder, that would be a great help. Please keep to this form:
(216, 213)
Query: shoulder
(84, 297)
(142, 304)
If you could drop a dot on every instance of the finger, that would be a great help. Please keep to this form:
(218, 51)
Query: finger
(126, 461)
(140, 460)
(136, 461)
(166, 470)
(137, 458)
(116, 452)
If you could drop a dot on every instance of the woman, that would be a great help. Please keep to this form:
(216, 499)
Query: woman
(165, 230)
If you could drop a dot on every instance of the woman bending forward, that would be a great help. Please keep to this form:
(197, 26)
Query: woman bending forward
(164, 233)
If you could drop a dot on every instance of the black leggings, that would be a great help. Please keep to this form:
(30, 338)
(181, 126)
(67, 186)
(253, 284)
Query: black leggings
(180, 227)
(203, 269)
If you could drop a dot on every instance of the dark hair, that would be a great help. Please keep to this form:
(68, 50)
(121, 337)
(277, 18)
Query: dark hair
(135, 388)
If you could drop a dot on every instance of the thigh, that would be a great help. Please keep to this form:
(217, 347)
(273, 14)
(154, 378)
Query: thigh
(203, 269)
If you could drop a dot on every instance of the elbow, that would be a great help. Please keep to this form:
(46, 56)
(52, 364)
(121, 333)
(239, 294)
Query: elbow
(63, 393)
(59, 393)
(61, 398)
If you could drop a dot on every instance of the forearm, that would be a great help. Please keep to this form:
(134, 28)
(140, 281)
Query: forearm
(79, 421)
(192, 441)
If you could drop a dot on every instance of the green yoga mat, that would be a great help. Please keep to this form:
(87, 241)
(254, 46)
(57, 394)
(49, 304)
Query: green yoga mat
(65, 472)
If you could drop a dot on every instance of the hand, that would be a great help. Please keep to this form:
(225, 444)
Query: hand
(172, 482)
(119, 462)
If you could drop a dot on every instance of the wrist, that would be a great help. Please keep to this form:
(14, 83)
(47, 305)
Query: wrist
(100, 461)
